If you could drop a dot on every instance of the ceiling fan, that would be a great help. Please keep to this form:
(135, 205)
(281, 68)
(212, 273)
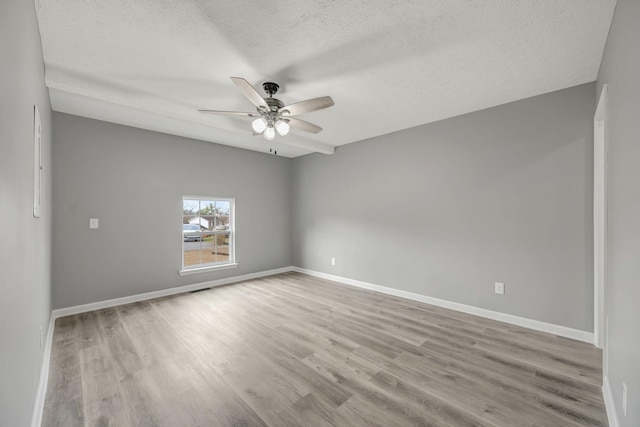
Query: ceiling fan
(272, 115)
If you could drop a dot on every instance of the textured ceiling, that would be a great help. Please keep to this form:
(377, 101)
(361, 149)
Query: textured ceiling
(388, 64)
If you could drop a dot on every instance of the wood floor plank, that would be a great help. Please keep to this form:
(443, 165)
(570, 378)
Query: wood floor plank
(495, 405)
(296, 350)
(221, 400)
(456, 351)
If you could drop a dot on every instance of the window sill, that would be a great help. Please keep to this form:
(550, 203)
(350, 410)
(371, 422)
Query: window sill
(207, 269)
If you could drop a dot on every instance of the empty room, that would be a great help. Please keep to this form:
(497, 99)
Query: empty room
(319, 213)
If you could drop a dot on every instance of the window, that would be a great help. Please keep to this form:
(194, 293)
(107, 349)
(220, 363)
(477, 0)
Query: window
(207, 234)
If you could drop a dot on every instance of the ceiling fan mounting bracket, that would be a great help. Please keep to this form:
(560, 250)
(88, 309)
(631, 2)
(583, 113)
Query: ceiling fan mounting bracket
(271, 88)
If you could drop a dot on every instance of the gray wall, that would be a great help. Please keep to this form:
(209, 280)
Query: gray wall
(133, 180)
(25, 241)
(447, 209)
(620, 69)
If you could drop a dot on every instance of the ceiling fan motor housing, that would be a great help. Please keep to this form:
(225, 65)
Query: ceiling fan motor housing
(274, 104)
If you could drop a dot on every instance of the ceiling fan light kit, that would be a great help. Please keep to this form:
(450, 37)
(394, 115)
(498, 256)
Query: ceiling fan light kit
(259, 125)
(282, 127)
(269, 133)
(272, 115)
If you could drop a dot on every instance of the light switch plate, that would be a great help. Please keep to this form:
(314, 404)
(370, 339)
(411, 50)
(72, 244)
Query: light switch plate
(93, 223)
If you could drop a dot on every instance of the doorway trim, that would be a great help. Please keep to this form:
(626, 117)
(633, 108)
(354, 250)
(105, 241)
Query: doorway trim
(600, 224)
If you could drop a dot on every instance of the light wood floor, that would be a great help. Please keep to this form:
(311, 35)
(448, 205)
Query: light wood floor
(295, 350)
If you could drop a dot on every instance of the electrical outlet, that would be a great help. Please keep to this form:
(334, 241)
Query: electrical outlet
(499, 288)
(624, 399)
(41, 336)
(333, 261)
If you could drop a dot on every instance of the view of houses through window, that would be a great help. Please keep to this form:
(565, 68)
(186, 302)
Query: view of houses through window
(207, 232)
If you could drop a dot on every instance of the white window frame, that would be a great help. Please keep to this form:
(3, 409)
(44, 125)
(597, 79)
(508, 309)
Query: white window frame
(204, 268)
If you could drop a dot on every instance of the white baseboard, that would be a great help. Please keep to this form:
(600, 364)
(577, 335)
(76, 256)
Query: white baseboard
(61, 312)
(537, 325)
(609, 403)
(36, 419)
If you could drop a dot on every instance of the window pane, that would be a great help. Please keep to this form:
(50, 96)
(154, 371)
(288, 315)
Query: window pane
(207, 207)
(190, 207)
(207, 214)
(223, 209)
(221, 247)
(192, 253)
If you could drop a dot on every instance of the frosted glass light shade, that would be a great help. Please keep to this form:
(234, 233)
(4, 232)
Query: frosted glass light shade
(269, 133)
(259, 125)
(282, 127)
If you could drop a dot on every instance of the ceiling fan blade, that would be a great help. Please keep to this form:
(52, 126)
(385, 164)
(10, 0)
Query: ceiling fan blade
(251, 94)
(230, 113)
(302, 125)
(308, 105)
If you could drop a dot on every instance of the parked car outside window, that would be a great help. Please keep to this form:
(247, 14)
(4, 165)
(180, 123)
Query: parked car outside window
(191, 233)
